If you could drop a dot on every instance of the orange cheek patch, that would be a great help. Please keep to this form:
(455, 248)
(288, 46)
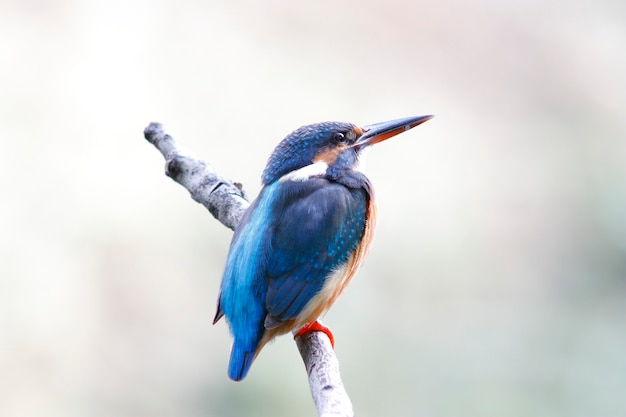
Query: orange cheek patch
(329, 155)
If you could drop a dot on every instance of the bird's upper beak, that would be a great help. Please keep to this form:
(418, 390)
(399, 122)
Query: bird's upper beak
(379, 132)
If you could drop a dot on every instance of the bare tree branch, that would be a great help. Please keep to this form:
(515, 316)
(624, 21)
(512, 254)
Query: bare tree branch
(322, 366)
(227, 202)
(224, 199)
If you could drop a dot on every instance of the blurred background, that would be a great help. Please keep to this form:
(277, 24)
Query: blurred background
(496, 285)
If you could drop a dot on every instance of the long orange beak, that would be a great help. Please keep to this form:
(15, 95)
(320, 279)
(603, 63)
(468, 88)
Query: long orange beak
(379, 132)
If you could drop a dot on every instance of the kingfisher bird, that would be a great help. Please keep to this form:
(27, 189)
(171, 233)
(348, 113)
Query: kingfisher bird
(303, 238)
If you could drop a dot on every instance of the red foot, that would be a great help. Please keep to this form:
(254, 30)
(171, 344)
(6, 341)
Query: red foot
(316, 326)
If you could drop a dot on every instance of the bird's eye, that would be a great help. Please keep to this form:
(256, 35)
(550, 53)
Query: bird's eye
(339, 137)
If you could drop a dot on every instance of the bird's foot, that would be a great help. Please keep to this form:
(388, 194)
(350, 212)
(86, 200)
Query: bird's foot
(316, 326)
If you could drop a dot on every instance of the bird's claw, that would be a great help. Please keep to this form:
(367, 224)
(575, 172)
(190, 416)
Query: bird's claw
(316, 326)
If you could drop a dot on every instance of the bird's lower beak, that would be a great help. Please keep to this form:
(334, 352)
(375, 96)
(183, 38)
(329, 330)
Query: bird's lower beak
(379, 132)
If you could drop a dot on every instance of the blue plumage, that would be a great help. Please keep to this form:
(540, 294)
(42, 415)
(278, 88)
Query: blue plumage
(320, 224)
(302, 240)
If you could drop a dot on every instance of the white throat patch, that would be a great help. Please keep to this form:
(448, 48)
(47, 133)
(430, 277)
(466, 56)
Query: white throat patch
(304, 173)
(360, 162)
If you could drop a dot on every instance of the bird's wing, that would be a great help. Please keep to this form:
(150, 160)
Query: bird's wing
(319, 226)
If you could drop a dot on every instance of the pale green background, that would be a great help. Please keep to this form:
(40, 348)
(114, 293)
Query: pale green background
(497, 282)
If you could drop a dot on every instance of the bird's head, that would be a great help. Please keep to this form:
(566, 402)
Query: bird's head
(332, 146)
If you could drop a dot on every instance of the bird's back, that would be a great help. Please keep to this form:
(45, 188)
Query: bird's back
(293, 253)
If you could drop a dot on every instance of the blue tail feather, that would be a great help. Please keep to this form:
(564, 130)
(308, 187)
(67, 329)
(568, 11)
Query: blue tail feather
(241, 359)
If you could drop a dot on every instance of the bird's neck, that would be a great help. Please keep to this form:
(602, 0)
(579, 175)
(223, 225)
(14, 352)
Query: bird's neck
(317, 169)
(348, 176)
